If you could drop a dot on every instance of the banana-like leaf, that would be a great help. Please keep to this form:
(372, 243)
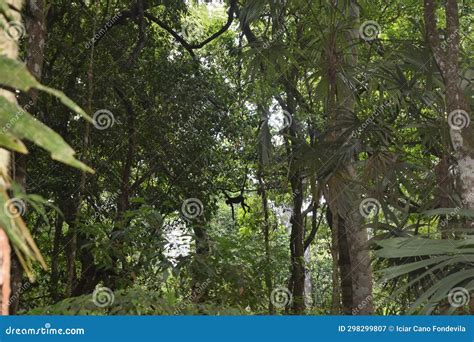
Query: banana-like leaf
(453, 257)
(12, 143)
(14, 74)
(440, 290)
(396, 271)
(252, 11)
(20, 124)
(410, 247)
(12, 223)
(451, 261)
(450, 211)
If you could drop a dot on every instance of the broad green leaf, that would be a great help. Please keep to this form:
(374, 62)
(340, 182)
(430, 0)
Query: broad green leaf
(451, 261)
(409, 247)
(450, 211)
(15, 75)
(395, 271)
(17, 232)
(24, 126)
(12, 143)
(440, 288)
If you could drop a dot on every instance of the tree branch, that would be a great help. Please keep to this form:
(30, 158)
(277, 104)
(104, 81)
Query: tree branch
(432, 35)
(313, 232)
(191, 47)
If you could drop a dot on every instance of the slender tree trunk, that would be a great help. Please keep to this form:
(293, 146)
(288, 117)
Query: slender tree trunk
(111, 277)
(308, 282)
(73, 236)
(296, 283)
(297, 245)
(198, 290)
(54, 283)
(296, 181)
(266, 237)
(336, 281)
(345, 267)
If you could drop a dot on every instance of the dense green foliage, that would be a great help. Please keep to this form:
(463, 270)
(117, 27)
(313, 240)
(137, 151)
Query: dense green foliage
(336, 111)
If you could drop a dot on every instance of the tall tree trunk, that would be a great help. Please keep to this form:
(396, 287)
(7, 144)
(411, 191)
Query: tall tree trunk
(73, 235)
(443, 180)
(447, 58)
(36, 33)
(112, 276)
(296, 181)
(344, 192)
(462, 135)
